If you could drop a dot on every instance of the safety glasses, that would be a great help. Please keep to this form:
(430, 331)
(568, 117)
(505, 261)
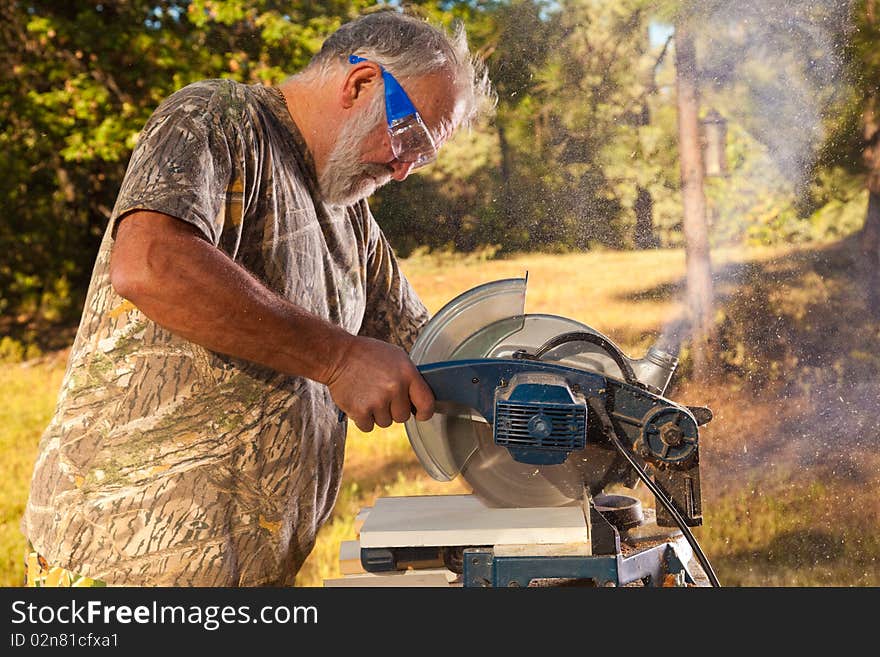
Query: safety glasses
(411, 141)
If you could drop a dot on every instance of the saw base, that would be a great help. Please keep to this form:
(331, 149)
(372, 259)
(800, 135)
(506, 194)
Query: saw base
(455, 540)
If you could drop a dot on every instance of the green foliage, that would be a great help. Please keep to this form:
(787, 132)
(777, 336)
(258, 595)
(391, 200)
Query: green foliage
(585, 129)
(77, 83)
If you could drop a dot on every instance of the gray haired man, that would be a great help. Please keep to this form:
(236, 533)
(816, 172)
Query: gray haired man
(244, 295)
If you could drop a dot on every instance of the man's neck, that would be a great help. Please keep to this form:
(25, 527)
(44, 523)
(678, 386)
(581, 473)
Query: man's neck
(312, 110)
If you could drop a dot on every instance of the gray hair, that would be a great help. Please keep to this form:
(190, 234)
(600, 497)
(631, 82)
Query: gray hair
(409, 47)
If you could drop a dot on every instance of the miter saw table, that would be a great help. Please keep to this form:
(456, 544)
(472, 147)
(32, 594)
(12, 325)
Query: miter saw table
(455, 540)
(543, 417)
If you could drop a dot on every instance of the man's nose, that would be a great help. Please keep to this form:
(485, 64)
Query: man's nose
(401, 169)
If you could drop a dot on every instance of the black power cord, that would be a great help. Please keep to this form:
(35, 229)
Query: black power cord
(630, 377)
(582, 336)
(597, 407)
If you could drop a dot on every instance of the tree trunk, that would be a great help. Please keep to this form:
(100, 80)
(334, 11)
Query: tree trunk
(644, 209)
(870, 235)
(506, 195)
(696, 233)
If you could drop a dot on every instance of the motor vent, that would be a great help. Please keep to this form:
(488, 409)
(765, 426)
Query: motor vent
(540, 423)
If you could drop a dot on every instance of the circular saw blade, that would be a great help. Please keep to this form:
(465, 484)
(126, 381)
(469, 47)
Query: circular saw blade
(500, 481)
(488, 322)
(491, 471)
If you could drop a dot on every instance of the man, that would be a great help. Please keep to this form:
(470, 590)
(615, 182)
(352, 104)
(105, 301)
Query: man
(243, 296)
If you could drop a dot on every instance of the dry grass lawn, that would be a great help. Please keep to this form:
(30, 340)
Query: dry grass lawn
(783, 504)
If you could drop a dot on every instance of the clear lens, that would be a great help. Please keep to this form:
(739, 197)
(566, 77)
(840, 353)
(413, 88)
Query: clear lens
(411, 141)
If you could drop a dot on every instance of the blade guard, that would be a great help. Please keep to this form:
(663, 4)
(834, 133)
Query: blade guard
(441, 340)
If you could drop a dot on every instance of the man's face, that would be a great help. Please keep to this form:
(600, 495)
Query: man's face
(362, 160)
(346, 179)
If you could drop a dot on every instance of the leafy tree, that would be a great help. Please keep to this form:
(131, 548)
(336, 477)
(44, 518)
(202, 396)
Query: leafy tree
(77, 82)
(583, 150)
(581, 127)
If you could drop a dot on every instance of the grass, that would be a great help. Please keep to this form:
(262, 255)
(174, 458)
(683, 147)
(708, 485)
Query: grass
(795, 533)
(28, 392)
(789, 474)
(628, 295)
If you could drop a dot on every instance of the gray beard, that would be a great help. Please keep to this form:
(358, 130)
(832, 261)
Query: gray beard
(344, 180)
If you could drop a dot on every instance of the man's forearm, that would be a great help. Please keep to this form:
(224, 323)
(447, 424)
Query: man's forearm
(186, 285)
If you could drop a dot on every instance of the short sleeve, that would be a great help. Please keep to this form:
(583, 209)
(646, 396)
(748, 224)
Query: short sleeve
(394, 312)
(181, 164)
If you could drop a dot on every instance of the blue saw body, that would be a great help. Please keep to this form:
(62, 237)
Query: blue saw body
(540, 423)
(536, 411)
(517, 401)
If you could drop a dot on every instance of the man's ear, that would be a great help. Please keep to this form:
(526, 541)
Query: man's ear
(360, 79)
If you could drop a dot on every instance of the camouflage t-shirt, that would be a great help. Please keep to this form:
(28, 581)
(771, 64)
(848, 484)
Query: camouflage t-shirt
(168, 464)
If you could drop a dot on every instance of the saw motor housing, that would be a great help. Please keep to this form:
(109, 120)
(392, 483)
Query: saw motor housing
(539, 418)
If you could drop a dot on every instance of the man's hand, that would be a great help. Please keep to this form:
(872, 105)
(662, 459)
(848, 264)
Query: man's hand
(376, 382)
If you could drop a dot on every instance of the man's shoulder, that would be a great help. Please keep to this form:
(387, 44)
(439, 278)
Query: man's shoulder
(221, 105)
(213, 92)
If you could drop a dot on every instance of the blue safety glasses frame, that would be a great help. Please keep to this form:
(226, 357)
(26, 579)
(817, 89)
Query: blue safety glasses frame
(411, 141)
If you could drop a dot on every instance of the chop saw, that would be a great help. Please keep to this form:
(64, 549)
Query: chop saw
(542, 411)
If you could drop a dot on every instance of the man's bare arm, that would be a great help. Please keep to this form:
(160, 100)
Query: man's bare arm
(182, 282)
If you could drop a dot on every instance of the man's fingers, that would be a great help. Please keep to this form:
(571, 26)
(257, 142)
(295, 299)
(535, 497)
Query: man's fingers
(401, 408)
(382, 418)
(422, 399)
(365, 424)
(392, 391)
